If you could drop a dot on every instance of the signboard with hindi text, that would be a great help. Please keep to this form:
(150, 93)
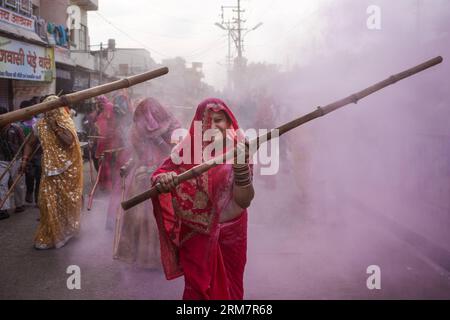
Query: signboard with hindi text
(16, 19)
(23, 61)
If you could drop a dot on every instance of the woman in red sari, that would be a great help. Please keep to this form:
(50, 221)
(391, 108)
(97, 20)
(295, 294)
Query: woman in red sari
(203, 222)
(107, 128)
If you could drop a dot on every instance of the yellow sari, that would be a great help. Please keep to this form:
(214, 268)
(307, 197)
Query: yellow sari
(60, 192)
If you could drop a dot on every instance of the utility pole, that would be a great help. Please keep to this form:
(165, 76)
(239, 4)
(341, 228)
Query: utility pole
(235, 31)
(110, 48)
(239, 30)
(101, 63)
(229, 59)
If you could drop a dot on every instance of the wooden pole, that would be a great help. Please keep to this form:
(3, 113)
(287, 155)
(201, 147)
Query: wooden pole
(16, 181)
(69, 99)
(15, 156)
(94, 188)
(321, 111)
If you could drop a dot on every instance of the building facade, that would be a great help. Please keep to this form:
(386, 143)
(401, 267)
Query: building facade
(39, 54)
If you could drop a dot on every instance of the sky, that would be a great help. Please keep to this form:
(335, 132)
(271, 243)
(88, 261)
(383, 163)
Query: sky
(174, 28)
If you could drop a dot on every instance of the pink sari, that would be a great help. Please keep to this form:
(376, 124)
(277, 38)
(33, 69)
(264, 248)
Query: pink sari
(136, 234)
(211, 256)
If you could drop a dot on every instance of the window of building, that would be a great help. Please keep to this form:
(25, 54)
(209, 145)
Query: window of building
(11, 4)
(25, 7)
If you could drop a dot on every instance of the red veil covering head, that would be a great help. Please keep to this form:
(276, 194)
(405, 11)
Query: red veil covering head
(193, 206)
(107, 106)
(105, 123)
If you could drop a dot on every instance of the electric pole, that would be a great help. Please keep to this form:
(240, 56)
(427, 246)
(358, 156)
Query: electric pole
(239, 30)
(235, 31)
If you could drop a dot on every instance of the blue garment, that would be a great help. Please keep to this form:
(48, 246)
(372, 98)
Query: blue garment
(50, 28)
(62, 35)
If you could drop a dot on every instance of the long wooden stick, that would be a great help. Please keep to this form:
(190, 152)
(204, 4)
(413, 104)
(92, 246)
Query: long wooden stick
(320, 112)
(91, 165)
(16, 181)
(69, 99)
(94, 188)
(119, 217)
(15, 156)
(114, 150)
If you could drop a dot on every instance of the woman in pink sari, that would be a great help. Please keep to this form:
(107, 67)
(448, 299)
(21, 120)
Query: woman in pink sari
(203, 222)
(136, 237)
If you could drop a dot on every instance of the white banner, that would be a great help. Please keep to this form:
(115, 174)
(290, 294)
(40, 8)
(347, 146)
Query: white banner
(23, 61)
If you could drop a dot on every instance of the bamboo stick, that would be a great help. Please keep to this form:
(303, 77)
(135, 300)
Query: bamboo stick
(321, 111)
(69, 99)
(16, 181)
(15, 156)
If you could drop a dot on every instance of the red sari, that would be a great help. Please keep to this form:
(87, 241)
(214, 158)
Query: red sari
(107, 128)
(210, 255)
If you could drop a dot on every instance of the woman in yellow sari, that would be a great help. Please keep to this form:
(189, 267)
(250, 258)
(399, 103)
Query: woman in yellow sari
(61, 187)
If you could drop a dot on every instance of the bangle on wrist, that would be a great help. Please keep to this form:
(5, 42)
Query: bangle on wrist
(243, 183)
(242, 177)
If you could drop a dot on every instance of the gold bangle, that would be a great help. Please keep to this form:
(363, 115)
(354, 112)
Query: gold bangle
(244, 186)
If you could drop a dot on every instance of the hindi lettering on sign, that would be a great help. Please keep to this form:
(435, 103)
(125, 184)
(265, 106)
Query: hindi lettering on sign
(4, 15)
(31, 59)
(3, 55)
(45, 62)
(12, 57)
(16, 19)
(19, 60)
(23, 21)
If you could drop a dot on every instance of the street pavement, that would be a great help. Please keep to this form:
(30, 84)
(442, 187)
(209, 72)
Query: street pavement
(293, 253)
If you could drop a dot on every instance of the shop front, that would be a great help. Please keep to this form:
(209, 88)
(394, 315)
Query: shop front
(26, 70)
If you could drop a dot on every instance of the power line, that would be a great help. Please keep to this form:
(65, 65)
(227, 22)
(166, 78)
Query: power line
(193, 54)
(301, 20)
(208, 47)
(181, 19)
(264, 11)
(130, 37)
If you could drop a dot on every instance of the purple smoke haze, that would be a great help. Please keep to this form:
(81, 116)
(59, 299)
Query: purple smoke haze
(370, 183)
